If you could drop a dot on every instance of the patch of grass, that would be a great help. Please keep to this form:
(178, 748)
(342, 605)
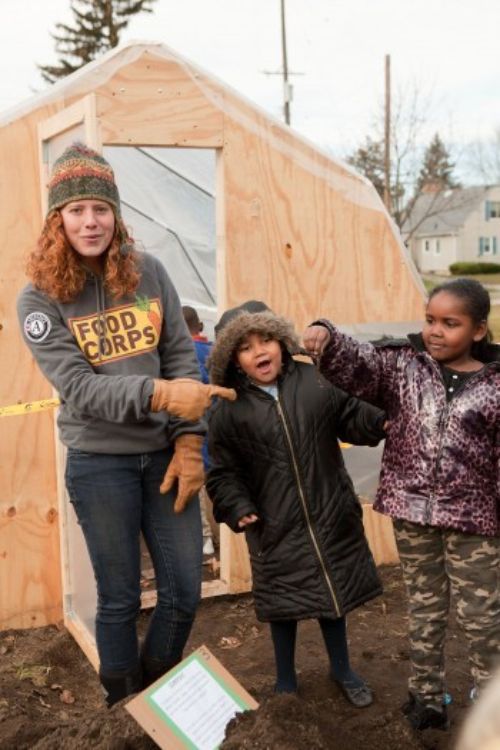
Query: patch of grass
(483, 278)
(430, 280)
(429, 283)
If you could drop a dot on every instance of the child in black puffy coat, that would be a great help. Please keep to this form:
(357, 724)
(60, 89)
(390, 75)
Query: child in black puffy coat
(278, 475)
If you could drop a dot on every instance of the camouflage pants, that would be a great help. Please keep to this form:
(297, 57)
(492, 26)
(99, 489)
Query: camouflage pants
(437, 563)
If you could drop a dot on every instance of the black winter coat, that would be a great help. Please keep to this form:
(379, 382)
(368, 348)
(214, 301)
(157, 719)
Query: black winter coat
(281, 460)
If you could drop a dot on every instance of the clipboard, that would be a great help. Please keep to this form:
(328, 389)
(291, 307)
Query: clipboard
(189, 707)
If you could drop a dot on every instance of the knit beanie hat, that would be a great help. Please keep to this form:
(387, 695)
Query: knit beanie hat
(81, 173)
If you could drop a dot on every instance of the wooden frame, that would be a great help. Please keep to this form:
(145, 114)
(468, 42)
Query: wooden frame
(294, 228)
(81, 114)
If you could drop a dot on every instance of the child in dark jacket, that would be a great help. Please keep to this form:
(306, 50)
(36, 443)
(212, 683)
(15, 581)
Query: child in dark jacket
(278, 475)
(440, 475)
(202, 347)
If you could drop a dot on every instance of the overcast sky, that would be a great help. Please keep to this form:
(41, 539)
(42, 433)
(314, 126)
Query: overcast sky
(448, 49)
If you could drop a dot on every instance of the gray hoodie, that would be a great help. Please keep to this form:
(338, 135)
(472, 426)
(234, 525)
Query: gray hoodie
(102, 354)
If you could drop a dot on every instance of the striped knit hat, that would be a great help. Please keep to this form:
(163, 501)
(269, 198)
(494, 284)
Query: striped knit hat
(80, 173)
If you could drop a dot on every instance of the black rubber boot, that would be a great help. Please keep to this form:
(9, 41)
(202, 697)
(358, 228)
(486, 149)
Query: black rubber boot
(117, 686)
(152, 670)
(424, 716)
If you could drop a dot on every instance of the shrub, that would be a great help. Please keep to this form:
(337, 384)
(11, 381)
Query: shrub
(470, 269)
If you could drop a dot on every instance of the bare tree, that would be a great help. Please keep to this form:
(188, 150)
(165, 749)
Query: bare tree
(408, 160)
(484, 159)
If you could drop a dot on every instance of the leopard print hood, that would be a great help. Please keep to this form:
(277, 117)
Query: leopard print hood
(221, 366)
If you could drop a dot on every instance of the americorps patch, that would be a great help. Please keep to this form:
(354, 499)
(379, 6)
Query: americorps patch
(37, 326)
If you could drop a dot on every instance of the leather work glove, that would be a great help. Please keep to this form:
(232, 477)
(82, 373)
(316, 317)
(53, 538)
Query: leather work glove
(186, 398)
(187, 468)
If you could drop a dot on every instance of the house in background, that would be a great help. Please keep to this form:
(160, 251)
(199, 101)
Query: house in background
(454, 226)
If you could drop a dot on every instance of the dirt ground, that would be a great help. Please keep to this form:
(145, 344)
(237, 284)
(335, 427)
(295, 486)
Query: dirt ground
(50, 697)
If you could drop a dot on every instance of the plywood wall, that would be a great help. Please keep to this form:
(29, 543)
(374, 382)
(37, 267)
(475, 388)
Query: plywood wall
(299, 230)
(296, 239)
(294, 229)
(30, 588)
(157, 103)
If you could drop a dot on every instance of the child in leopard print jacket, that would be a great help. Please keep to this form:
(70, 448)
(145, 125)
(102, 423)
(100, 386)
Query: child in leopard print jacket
(440, 476)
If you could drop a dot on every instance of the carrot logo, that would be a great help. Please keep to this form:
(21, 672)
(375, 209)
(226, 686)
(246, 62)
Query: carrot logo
(144, 304)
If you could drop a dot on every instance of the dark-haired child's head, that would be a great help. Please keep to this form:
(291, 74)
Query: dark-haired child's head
(473, 295)
(456, 321)
(256, 344)
(260, 357)
(193, 322)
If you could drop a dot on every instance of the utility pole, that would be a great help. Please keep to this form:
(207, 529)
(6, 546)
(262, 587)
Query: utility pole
(287, 88)
(387, 134)
(284, 72)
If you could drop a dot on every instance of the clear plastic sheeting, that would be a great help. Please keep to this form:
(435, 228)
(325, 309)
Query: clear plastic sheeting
(168, 201)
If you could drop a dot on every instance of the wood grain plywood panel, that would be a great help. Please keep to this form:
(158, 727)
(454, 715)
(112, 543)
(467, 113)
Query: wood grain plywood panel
(235, 568)
(153, 101)
(297, 241)
(30, 586)
(29, 567)
(380, 535)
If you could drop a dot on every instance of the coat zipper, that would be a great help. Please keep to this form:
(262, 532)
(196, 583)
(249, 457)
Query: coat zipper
(304, 506)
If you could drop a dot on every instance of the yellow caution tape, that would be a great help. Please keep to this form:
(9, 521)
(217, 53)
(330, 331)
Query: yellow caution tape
(30, 407)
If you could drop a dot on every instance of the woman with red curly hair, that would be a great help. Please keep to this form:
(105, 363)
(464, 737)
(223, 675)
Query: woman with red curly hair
(105, 325)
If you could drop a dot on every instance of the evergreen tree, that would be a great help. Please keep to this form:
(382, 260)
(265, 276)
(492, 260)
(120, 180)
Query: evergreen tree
(436, 173)
(369, 160)
(96, 28)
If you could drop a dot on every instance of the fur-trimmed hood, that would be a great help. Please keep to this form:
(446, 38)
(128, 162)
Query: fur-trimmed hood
(221, 366)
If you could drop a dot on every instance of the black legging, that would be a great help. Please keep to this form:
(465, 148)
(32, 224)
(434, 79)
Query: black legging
(284, 633)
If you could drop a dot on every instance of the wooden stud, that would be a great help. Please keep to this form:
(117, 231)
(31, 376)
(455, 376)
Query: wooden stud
(380, 535)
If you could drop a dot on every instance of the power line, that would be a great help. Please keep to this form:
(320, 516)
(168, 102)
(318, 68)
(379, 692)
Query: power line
(287, 86)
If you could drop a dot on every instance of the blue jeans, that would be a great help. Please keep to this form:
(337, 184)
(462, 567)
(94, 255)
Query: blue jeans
(116, 497)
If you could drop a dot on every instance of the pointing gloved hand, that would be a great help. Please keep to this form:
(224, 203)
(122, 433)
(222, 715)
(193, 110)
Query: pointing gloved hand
(186, 398)
(186, 467)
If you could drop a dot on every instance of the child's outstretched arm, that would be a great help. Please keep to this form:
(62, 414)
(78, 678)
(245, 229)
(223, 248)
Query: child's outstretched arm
(225, 486)
(357, 421)
(360, 368)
